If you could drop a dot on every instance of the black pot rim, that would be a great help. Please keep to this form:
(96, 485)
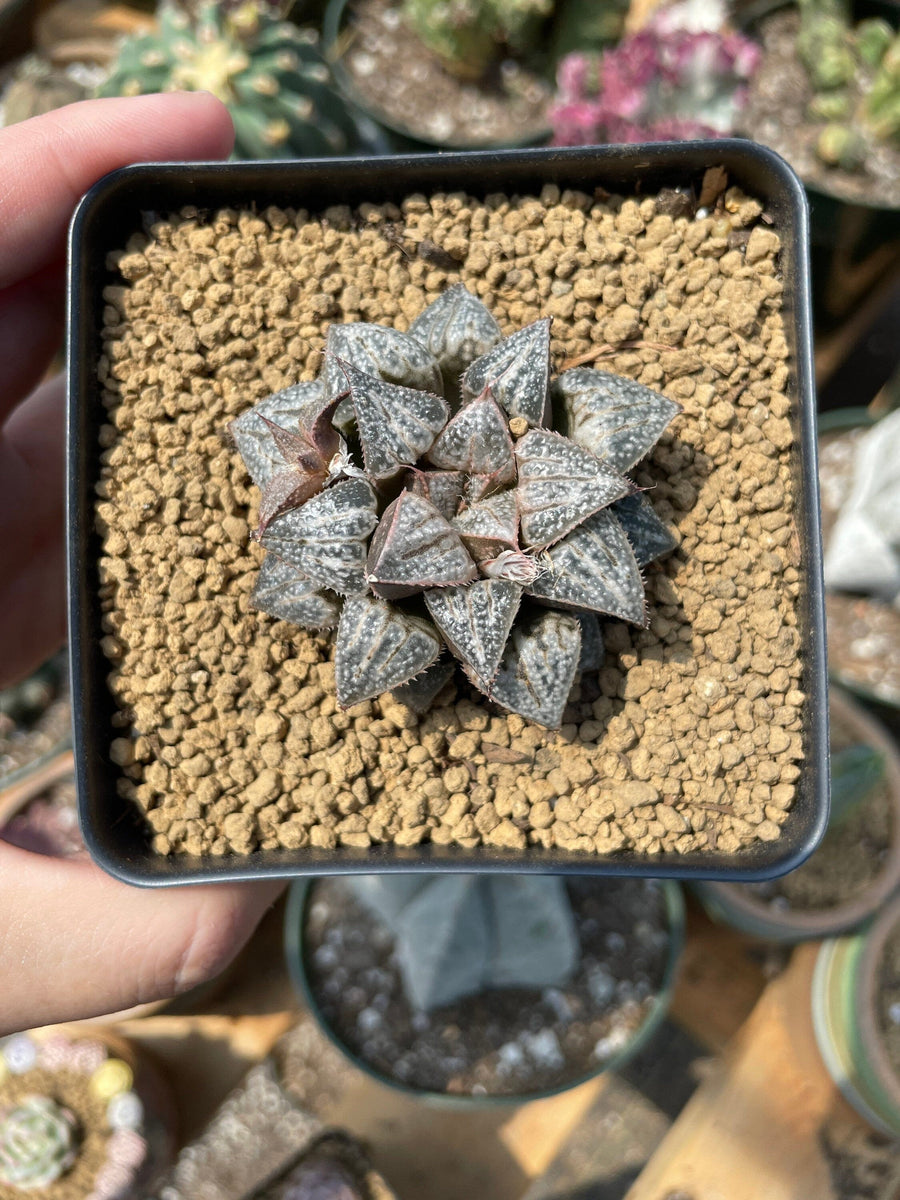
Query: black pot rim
(110, 211)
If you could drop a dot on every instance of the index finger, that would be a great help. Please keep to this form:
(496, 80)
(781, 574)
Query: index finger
(47, 163)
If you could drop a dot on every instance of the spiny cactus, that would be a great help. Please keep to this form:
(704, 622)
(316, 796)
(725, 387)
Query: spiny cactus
(416, 497)
(268, 72)
(37, 1144)
(467, 34)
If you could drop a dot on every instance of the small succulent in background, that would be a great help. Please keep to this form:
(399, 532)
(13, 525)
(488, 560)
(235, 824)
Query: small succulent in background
(268, 72)
(671, 80)
(854, 72)
(459, 935)
(467, 35)
(863, 551)
(437, 490)
(38, 1144)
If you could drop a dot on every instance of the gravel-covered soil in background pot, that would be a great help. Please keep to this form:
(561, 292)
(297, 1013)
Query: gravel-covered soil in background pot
(227, 732)
(509, 1041)
(405, 84)
(777, 116)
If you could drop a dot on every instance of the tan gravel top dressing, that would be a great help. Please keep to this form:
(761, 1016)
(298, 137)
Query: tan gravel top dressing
(228, 736)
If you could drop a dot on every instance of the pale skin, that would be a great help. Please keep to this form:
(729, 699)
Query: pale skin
(73, 941)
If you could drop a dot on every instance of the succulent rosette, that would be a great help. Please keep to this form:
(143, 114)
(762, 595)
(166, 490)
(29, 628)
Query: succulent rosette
(38, 1143)
(438, 490)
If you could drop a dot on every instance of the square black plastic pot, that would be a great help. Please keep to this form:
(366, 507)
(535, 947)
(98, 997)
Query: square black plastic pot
(112, 211)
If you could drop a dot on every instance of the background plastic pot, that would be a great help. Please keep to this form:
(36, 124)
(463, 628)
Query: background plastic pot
(299, 899)
(844, 1004)
(743, 909)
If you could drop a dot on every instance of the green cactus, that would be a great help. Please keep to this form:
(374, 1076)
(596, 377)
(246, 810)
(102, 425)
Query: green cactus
(840, 146)
(467, 34)
(37, 1144)
(882, 104)
(268, 72)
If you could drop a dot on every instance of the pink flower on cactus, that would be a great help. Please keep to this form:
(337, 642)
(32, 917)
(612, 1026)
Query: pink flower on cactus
(577, 124)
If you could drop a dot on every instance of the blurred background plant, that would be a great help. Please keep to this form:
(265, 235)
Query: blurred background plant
(684, 74)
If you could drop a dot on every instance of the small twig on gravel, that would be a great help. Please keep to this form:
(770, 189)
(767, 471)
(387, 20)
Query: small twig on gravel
(605, 351)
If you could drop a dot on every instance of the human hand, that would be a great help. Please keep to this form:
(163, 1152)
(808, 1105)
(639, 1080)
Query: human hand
(73, 941)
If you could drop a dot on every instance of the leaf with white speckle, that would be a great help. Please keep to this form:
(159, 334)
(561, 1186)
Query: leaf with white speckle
(443, 488)
(649, 537)
(286, 593)
(254, 435)
(415, 547)
(560, 483)
(385, 353)
(396, 424)
(378, 648)
(538, 668)
(594, 568)
(475, 621)
(456, 328)
(326, 538)
(615, 418)
(516, 372)
(489, 526)
(420, 693)
(477, 442)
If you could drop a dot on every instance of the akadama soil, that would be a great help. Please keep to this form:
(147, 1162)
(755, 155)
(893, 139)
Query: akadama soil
(228, 736)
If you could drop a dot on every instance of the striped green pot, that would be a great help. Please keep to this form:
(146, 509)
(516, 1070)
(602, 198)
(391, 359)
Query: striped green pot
(844, 1006)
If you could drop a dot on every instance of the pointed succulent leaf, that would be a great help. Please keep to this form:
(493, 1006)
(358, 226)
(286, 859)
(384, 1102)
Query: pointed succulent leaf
(286, 593)
(457, 328)
(479, 487)
(617, 419)
(326, 538)
(490, 526)
(538, 668)
(477, 441)
(560, 483)
(475, 621)
(378, 648)
(592, 649)
(420, 693)
(516, 372)
(396, 424)
(443, 488)
(649, 537)
(252, 430)
(594, 568)
(414, 547)
(385, 353)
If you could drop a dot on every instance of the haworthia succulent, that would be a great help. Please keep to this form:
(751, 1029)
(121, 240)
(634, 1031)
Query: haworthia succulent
(378, 648)
(284, 592)
(397, 425)
(650, 538)
(538, 668)
(463, 512)
(594, 568)
(516, 372)
(475, 622)
(560, 484)
(615, 418)
(415, 548)
(326, 538)
(456, 328)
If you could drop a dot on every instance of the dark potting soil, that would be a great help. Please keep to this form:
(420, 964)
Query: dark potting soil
(863, 632)
(850, 857)
(405, 82)
(889, 999)
(776, 115)
(502, 1041)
